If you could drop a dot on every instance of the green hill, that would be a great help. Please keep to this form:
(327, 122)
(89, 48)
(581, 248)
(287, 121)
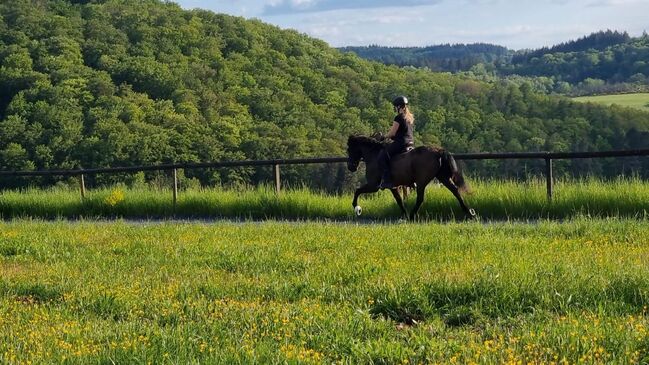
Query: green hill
(114, 83)
(609, 56)
(604, 62)
(444, 57)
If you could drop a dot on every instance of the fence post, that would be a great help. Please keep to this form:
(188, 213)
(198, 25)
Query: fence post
(278, 183)
(549, 178)
(175, 188)
(82, 186)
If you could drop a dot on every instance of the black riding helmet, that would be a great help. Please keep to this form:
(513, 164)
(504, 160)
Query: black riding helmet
(400, 101)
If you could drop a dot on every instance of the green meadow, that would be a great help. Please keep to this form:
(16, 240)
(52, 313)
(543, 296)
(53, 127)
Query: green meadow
(637, 101)
(500, 200)
(551, 292)
(297, 278)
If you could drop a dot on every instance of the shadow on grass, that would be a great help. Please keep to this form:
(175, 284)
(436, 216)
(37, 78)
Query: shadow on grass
(460, 304)
(32, 293)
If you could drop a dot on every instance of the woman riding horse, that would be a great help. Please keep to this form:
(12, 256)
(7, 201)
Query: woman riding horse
(388, 167)
(402, 139)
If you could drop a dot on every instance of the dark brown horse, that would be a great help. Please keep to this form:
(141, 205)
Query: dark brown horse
(414, 168)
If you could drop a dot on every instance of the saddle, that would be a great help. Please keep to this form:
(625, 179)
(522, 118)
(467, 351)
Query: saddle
(402, 154)
(398, 158)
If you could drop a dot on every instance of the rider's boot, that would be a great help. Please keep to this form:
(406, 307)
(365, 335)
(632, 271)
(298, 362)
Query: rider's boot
(386, 181)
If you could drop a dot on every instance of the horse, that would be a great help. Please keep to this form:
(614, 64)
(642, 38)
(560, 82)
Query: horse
(417, 167)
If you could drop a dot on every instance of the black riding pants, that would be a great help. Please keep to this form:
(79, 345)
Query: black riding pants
(388, 152)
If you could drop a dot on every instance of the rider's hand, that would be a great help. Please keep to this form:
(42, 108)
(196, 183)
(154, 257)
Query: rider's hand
(378, 136)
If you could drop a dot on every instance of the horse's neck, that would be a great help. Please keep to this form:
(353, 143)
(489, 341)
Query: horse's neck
(370, 156)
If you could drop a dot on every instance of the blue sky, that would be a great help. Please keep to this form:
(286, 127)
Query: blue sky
(514, 24)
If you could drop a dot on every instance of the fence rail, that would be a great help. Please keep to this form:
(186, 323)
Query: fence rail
(276, 163)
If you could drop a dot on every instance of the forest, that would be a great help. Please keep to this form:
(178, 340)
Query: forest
(600, 63)
(441, 58)
(99, 83)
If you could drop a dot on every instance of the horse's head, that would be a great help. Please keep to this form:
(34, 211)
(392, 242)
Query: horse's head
(354, 153)
(361, 148)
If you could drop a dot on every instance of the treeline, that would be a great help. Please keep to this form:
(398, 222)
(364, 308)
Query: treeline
(600, 63)
(597, 41)
(591, 63)
(114, 83)
(445, 57)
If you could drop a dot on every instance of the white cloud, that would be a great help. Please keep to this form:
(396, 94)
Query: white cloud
(512, 23)
(284, 7)
(607, 3)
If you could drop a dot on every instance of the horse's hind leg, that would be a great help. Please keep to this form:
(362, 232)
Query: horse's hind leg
(451, 186)
(397, 197)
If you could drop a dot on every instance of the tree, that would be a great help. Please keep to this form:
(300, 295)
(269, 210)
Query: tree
(15, 157)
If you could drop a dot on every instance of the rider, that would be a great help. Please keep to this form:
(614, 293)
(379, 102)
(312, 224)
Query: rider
(401, 135)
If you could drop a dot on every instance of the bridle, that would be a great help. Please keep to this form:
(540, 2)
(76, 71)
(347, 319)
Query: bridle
(352, 161)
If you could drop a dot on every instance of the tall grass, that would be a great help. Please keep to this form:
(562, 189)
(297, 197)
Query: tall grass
(177, 293)
(491, 199)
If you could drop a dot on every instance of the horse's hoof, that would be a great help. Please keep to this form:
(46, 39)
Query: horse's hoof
(358, 210)
(472, 213)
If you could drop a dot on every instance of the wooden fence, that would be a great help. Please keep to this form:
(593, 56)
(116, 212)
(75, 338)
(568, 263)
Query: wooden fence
(547, 156)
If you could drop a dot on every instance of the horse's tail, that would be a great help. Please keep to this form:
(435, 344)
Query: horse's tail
(449, 168)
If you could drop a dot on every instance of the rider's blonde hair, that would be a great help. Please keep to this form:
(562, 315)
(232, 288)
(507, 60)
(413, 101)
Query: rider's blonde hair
(407, 115)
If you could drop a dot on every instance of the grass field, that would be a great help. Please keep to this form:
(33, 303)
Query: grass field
(638, 101)
(169, 293)
(505, 200)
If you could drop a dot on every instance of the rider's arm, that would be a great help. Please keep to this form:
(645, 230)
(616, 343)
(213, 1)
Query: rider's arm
(393, 130)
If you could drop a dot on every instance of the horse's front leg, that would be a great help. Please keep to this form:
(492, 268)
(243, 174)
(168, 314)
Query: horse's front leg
(367, 188)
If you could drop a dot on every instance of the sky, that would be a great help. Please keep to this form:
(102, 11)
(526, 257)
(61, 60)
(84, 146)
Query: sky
(516, 24)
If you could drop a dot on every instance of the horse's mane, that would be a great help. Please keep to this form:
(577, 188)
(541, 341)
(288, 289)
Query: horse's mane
(358, 140)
